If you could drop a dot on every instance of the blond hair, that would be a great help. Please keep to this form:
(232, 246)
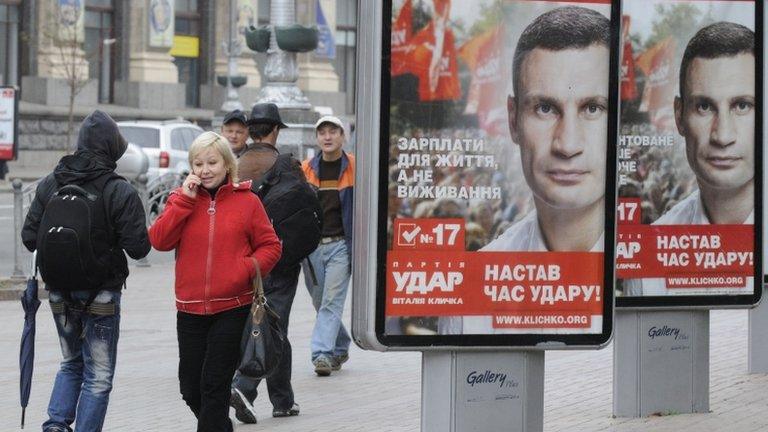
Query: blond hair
(213, 140)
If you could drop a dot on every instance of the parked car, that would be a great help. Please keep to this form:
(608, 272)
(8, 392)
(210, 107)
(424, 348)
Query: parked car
(133, 163)
(166, 143)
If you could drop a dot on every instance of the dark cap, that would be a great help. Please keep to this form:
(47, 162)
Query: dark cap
(235, 115)
(266, 113)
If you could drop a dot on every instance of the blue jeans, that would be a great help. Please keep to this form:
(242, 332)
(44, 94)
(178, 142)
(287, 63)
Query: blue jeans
(332, 269)
(89, 350)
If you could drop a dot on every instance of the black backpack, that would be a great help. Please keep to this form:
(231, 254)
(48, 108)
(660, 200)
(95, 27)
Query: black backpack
(75, 237)
(294, 209)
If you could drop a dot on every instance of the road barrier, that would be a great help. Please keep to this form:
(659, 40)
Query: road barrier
(154, 194)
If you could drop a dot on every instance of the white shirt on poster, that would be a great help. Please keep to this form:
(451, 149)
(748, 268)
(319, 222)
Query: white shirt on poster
(689, 211)
(523, 236)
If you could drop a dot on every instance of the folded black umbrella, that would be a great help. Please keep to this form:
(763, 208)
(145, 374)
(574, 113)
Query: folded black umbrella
(30, 303)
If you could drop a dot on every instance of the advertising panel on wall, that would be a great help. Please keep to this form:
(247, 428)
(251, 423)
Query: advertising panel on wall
(70, 20)
(8, 123)
(496, 187)
(161, 23)
(690, 160)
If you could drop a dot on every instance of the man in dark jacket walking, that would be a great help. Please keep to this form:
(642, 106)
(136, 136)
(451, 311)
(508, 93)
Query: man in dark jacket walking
(280, 183)
(88, 320)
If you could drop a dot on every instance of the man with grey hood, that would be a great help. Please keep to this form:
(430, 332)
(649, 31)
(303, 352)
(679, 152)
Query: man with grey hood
(86, 308)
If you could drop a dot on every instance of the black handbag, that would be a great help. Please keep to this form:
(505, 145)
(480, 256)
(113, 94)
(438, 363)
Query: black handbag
(262, 343)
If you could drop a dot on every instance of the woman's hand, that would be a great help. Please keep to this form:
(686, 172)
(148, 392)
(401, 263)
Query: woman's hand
(191, 183)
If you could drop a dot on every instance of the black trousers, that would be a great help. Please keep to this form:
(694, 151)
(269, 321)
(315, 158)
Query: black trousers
(209, 351)
(279, 289)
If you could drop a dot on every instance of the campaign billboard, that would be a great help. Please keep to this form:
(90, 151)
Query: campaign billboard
(9, 120)
(690, 156)
(496, 173)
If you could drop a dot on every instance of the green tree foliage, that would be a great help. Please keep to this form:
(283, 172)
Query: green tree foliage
(490, 16)
(677, 20)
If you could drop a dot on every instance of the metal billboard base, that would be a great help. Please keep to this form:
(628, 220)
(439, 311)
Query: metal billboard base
(482, 391)
(757, 357)
(660, 363)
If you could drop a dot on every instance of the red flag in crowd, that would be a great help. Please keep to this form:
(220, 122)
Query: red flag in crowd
(448, 85)
(438, 76)
(487, 98)
(658, 65)
(402, 30)
(628, 85)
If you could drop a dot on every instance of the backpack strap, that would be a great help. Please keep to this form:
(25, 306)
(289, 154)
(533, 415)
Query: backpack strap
(100, 184)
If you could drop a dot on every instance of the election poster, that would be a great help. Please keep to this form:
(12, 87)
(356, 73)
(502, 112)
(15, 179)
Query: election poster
(500, 169)
(689, 124)
(70, 22)
(161, 23)
(8, 123)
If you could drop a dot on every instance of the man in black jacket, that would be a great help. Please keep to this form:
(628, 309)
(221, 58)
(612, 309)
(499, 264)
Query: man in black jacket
(88, 320)
(282, 187)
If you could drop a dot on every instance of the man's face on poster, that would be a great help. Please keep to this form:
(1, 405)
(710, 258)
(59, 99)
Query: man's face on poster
(717, 118)
(560, 121)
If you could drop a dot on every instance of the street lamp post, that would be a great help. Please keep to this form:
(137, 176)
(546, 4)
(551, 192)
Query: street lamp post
(232, 49)
(281, 70)
(106, 67)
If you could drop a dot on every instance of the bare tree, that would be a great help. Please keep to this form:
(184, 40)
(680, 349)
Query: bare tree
(67, 60)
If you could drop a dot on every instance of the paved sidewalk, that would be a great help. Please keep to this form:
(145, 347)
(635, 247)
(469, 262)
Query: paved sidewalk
(374, 391)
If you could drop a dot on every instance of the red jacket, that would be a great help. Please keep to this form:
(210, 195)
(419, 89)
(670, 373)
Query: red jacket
(218, 245)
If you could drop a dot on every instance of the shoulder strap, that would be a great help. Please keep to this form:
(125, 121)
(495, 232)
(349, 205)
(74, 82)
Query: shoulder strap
(100, 183)
(262, 187)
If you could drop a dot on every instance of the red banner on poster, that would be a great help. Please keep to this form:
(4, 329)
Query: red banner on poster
(658, 65)
(401, 40)
(628, 85)
(483, 55)
(684, 251)
(433, 283)
(438, 76)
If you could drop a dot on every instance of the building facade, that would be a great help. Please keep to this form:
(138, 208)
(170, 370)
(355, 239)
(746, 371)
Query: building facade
(150, 59)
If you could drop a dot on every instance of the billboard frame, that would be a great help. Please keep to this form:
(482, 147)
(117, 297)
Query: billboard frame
(369, 284)
(702, 302)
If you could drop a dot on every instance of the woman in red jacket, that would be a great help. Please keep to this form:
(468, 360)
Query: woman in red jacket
(220, 232)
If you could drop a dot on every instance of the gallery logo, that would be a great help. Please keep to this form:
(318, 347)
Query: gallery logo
(486, 377)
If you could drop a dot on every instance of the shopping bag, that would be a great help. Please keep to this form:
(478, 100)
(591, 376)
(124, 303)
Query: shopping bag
(263, 341)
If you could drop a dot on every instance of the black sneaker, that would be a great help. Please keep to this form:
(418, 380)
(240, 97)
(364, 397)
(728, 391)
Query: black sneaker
(323, 366)
(339, 360)
(290, 412)
(243, 409)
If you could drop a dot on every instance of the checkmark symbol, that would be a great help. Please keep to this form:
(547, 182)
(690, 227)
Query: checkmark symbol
(409, 236)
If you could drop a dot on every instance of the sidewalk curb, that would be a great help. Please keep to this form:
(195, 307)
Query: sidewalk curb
(11, 289)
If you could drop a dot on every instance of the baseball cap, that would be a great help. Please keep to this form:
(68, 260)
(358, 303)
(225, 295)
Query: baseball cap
(236, 115)
(329, 119)
(266, 113)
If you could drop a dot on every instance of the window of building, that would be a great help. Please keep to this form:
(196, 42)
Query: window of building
(100, 26)
(188, 24)
(346, 49)
(9, 42)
